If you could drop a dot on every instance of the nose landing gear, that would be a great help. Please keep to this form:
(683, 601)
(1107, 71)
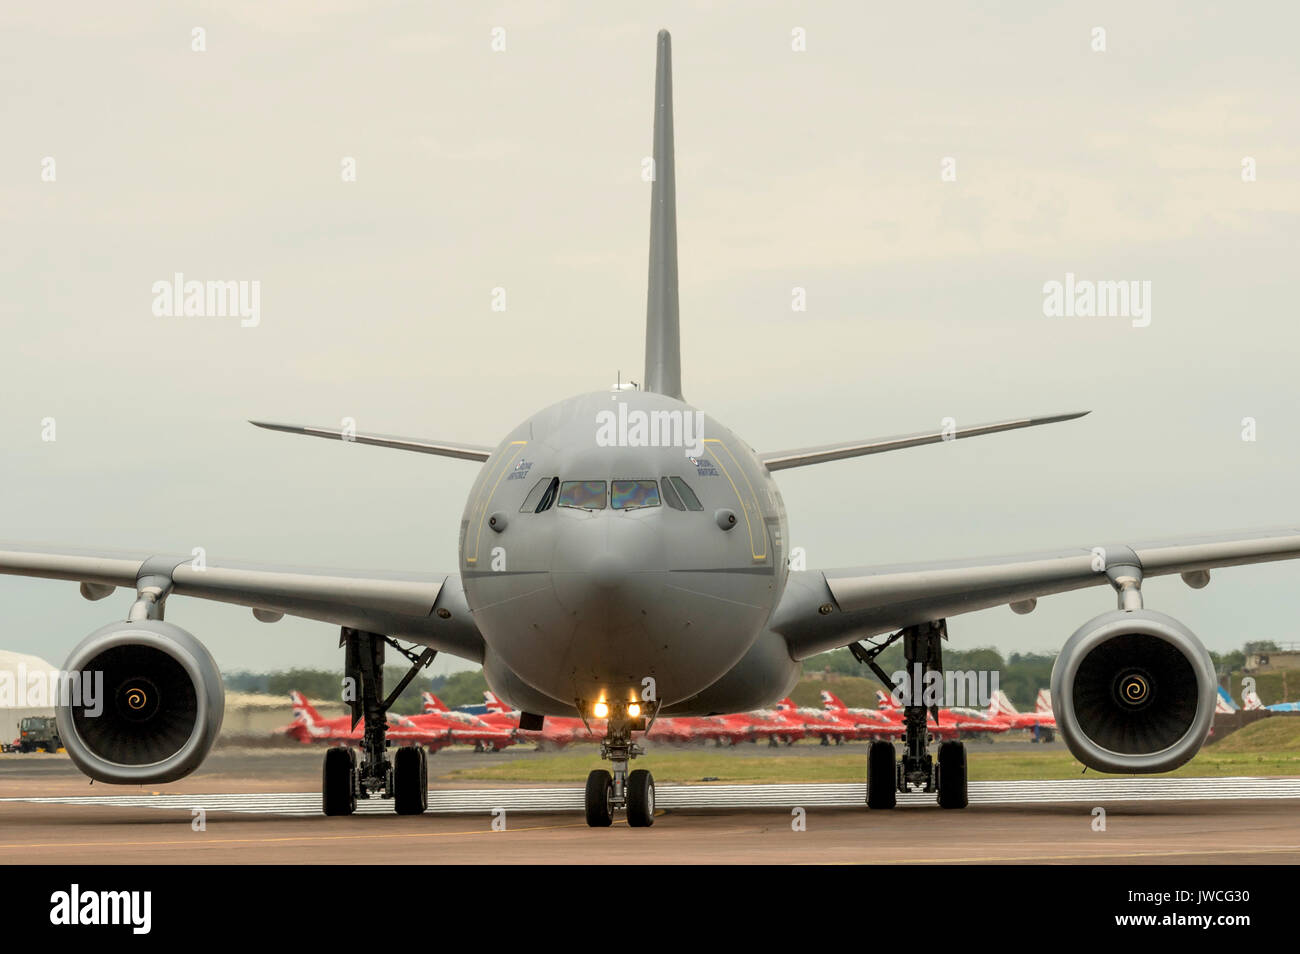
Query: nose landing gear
(633, 792)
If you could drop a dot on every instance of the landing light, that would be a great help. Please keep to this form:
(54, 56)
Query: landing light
(633, 710)
(600, 710)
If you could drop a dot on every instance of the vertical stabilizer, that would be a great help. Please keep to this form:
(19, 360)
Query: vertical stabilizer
(663, 361)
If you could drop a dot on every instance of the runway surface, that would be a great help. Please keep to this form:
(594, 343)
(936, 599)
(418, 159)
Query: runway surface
(733, 797)
(1218, 821)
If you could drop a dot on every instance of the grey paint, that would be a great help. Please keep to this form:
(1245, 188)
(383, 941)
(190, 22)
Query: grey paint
(594, 603)
(663, 366)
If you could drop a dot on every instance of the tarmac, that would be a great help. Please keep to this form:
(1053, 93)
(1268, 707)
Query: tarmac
(247, 807)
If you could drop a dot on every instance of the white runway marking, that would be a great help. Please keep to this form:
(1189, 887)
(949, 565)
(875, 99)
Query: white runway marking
(569, 799)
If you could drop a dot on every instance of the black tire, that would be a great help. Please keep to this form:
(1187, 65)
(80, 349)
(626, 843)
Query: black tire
(640, 799)
(410, 781)
(338, 782)
(882, 779)
(952, 775)
(598, 799)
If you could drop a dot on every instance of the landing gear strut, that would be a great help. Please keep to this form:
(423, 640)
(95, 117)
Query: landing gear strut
(405, 779)
(632, 791)
(923, 650)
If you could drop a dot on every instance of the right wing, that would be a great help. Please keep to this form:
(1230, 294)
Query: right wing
(827, 609)
(441, 448)
(428, 609)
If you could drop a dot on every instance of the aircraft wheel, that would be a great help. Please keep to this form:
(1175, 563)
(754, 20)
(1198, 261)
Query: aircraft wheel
(338, 782)
(881, 783)
(952, 775)
(410, 781)
(640, 799)
(599, 798)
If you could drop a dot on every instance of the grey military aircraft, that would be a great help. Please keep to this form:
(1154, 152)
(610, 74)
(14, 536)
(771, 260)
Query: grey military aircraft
(623, 555)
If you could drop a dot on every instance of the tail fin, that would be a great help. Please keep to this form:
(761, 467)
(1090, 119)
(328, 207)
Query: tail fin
(786, 704)
(663, 358)
(1004, 704)
(1043, 704)
(493, 703)
(1224, 704)
(884, 700)
(1250, 700)
(303, 711)
(432, 703)
(831, 701)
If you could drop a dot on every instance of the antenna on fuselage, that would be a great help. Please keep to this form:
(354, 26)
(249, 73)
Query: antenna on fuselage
(663, 361)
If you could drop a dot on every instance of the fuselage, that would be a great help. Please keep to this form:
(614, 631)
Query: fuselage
(600, 558)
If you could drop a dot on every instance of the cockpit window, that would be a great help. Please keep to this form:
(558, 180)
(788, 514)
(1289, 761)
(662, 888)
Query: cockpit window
(688, 496)
(541, 496)
(583, 494)
(670, 496)
(633, 494)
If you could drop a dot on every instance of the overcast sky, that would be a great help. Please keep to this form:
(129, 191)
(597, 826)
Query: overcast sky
(521, 169)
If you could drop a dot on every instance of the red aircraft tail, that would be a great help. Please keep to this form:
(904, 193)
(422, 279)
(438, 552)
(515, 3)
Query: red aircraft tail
(493, 703)
(303, 711)
(884, 700)
(433, 704)
(831, 701)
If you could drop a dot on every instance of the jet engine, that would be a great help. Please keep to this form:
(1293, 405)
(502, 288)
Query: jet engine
(143, 703)
(1133, 691)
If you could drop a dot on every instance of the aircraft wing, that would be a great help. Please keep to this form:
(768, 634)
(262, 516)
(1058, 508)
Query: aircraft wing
(460, 451)
(404, 605)
(826, 609)
(803, 456)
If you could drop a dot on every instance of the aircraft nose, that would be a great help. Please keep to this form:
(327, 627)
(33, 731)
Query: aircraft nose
(606, 563)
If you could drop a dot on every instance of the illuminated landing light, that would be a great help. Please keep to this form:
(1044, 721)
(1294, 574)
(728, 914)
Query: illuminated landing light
(600, 710)
(633, 710)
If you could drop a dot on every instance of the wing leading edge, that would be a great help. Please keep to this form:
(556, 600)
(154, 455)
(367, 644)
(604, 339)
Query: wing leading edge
(828, 609)
(802, 457)
(407, 606)
(441, 448)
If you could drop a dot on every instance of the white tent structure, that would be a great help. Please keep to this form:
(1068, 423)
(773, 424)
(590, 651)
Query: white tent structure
(24, 690)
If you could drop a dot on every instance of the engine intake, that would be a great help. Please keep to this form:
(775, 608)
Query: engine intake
(1133, 691)
(159, 710)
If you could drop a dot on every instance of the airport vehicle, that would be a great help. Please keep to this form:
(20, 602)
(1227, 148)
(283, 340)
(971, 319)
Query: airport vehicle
(38, 732)
(646, 546)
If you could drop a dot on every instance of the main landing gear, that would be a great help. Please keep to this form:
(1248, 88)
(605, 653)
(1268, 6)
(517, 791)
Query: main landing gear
(404, 779)
(886, 775)
(633, 792)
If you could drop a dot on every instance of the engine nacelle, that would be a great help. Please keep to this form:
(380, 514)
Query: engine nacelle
(160, 709)
(1133, 691)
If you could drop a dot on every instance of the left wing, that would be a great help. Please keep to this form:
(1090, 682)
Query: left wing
(802, 457)
(826, 609)
(426, 608)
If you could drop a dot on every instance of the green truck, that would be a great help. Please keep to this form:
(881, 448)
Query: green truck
(38, 732)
